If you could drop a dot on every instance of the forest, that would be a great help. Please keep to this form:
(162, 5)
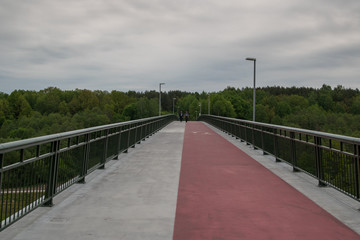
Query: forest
(26, 114)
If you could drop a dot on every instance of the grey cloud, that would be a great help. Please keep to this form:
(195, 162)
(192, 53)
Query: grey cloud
(193, 46)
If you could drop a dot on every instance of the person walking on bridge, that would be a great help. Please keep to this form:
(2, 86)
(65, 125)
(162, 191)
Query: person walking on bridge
(181, 115)
(186, 116)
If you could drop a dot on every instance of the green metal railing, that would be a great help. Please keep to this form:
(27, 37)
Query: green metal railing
(332, 159)
(33, 171)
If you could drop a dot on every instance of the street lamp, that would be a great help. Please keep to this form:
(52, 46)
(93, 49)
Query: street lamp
(254, 97)
(174, 105)
(200, 110)
(160, 97)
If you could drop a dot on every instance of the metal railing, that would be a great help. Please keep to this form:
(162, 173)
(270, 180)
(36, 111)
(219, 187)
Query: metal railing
(33, 171)
(332, 159)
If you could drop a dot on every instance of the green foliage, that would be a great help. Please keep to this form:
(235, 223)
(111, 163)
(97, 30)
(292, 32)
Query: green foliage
(25, 114)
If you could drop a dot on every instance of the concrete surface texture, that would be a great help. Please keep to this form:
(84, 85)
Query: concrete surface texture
(132, 198)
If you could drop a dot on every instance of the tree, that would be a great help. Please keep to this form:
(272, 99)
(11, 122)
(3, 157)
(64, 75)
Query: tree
(130, 111)
(222, 107)
(282, 109)
(355, 107)
(18, 105)
(48, 101)
(88, 99)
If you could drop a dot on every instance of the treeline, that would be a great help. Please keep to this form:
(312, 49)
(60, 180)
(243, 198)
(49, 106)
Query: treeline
(329, 110)
(25, 114)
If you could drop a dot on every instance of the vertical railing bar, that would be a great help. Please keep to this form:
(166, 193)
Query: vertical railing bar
(23, 204)
(320, 163)
(129, 136)
(1, 188)
(22, 155)
(262, 139)
(119, 142)
(19, 197)
(38, 151)
(11, 196)
(135, 133)
(7, 198)
(28, 190)
(293, 151)
(275, 144)
(37, 184)
(85, 160)
(106, 145)
(52, 176)
(357, 170)
(32, 185)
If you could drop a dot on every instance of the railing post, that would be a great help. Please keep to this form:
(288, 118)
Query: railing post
(276, 145)
(119, 143)
(262, 141)
(106, 144)
(85, 161)
(1, 189)
(246, 134)
(129, 136)
(293, 151)
(142, 125)
(237, 130)
(357, 170)
(319, 165)
(52, 175)
(135, 134)
(253, 136)
(1, 172)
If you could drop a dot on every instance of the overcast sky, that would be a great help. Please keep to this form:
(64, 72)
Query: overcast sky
(191, 45)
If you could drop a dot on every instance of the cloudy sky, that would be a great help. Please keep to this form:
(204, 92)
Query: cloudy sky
(191, 45)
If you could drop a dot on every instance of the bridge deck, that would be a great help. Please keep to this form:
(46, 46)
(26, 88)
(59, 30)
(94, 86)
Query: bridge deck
(226, 194)
(222, 194)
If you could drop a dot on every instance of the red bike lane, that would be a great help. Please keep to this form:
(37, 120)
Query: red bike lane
(225, 194)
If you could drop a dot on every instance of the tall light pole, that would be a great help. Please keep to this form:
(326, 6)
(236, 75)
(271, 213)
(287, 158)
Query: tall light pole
(160, 97)
(254, 96)
(200, 109)
(174, 105)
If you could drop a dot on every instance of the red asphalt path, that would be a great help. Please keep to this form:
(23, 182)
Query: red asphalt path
(225, 194)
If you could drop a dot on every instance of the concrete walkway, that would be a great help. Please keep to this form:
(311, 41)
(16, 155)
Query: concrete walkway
(135, 197)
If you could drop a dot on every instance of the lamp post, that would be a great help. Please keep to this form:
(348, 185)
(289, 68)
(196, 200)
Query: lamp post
(174, 105)
(160, 98)
(254, 97)
(200, 110)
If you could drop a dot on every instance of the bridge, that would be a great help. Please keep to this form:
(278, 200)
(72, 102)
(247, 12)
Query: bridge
(156, 178)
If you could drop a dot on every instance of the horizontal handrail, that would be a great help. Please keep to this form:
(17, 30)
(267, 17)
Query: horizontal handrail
(331, 158)
(33, 171)
(293, 129)
(15, 145)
